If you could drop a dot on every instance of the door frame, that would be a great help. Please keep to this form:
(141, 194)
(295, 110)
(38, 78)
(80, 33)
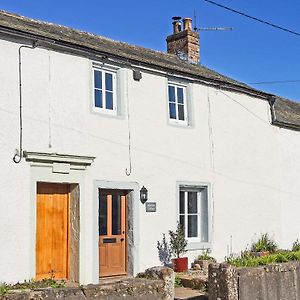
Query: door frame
(44, 173)
(132, 189)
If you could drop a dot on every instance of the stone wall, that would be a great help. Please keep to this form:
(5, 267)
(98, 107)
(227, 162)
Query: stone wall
(129, 289)
(157, 284)
(274, 282)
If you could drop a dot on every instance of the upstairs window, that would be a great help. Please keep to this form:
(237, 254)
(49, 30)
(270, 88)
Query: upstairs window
(105, 91)
(177, 104)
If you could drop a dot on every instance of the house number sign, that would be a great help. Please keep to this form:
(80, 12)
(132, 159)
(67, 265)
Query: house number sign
(150, 206)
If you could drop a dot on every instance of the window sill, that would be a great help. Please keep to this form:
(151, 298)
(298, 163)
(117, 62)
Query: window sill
(178, 124)
(103, 113)
(198, 245)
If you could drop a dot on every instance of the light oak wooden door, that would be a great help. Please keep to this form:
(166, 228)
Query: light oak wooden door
(112, 233)
(52, 231)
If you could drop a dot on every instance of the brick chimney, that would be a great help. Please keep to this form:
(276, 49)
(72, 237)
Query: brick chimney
(184, 42)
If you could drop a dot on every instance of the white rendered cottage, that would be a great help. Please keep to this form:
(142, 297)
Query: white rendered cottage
(94, 120)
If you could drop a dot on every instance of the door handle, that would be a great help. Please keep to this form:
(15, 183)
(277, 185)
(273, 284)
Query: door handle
(122, 239)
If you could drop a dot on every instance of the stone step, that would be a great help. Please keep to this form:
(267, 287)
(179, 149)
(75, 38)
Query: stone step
(183, 293)
(193, 280)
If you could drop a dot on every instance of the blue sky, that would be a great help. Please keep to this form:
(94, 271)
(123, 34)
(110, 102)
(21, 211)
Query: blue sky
(252, 52)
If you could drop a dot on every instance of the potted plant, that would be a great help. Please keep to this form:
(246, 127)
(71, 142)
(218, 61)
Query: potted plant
(178, 245)
(204, 260)
(263, 246)
(164, 252)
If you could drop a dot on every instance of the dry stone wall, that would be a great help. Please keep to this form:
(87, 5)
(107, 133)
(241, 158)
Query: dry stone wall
(273, 282)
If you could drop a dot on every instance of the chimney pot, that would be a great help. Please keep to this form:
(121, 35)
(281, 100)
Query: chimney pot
(176, 26)
(184, 42)
(187, 24)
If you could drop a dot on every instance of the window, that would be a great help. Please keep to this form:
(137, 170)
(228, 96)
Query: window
(105, 91)
(177, 103)
(193, 213)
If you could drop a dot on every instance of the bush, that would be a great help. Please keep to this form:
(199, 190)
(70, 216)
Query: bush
(264, 243)
(178, 242)
(32, 284)
(296, 245)
(164, 251)
(246, 259)
(205, 255)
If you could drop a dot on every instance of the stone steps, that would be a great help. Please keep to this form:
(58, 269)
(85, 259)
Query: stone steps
(194, 280)
(183, 293)
(194, 285)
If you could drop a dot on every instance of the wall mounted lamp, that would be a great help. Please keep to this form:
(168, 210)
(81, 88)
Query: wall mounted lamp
(143, 195)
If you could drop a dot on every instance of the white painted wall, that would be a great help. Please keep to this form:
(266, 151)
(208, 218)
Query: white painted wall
(253, 167)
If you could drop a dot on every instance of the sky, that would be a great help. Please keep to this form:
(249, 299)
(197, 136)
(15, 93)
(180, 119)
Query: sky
(252, 52)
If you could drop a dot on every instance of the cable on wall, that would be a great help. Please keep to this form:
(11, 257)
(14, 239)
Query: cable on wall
(19, 152)
(128, 170)
(212, 157)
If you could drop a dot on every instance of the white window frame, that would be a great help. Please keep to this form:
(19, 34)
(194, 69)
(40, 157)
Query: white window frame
(184, 87)
(195, 242)
(103, 109)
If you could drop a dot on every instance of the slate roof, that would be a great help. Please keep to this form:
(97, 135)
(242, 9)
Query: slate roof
(287, 113)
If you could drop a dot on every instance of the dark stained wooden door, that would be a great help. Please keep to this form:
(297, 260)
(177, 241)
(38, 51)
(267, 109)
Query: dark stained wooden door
(112, 233)
(52, 231)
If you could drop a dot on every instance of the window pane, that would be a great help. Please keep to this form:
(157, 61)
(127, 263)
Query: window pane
(181, 203)
(181, 112)
(192, 203)
(171, 93)
(102, 215)
(109, 100)
(172, 108)
(108, 82)
(192, 226)
(116, 215)
(204, 216)
(180, 95)
(181, 220)
(98, 98)
(98, 79)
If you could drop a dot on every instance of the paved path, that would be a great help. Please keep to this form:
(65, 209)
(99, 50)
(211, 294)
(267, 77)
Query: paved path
(187, 293)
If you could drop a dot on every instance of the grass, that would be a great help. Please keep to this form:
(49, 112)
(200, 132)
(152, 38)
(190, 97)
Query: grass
(177, 282)
(32, 285)
(246, 259)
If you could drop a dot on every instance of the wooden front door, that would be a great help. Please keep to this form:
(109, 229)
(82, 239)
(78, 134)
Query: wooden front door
(52, 231)
(112, 233)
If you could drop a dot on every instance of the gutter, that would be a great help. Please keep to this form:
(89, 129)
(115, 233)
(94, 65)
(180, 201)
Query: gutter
(51, 43)
(275, 120)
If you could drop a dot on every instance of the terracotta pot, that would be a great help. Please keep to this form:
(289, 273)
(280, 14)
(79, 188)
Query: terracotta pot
(204, 263)
(180, 264)
(261, 253)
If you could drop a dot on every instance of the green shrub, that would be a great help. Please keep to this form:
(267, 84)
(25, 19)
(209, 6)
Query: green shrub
(177, 282)
(3, 288)
(32, 285)
(178, 242)
(264, 243)
(205, 255)
(246, 259)
(296, 245)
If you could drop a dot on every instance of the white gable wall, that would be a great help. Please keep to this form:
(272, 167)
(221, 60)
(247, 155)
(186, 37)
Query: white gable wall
(252, 167)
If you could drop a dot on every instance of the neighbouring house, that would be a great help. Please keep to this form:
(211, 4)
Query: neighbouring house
(87, 122)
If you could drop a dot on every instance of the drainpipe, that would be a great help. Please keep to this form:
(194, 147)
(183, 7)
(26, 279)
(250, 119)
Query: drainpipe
(19, 152)
(271, 101)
